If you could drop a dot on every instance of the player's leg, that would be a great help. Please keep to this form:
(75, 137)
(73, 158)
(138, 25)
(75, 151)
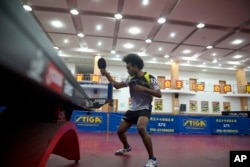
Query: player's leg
(142, 130)
(124, 126)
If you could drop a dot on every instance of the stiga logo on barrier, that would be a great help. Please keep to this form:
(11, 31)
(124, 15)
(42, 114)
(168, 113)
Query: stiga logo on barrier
(195, 123)
(239, 158)
(88, 119)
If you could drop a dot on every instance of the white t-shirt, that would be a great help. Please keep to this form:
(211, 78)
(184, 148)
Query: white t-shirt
(141, 100)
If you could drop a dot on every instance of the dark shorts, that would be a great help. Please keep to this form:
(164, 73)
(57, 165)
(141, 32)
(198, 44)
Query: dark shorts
(132, 116)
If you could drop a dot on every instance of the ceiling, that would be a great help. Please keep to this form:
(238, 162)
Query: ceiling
(226, 21)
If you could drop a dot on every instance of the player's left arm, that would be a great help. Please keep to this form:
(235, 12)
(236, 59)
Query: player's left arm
(155, 89)
(156, 93)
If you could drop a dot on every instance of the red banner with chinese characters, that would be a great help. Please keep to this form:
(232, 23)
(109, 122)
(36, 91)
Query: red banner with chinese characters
(194, 86)
(167, 83)
(179, 84)
(227, 88)
(217, 88)
(95, 78)
(248, 88)
(79, 77)
(200, 87)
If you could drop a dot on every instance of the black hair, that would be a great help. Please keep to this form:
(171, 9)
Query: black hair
(134, 59)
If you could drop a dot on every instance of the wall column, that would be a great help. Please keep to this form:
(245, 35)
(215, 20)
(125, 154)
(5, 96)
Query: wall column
(175, 96)
(241, 87)
(96, 69)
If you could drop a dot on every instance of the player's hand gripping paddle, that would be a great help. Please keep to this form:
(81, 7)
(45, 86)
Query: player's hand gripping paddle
(101, 63)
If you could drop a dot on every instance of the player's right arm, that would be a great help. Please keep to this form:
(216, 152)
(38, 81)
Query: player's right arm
(116, 84)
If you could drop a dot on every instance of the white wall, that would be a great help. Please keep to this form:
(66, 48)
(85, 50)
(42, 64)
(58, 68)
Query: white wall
(208, 95)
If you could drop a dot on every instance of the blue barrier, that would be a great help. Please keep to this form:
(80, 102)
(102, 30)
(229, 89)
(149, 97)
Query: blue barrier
(194, 125)
(96, 122)
(226, 125)
(164, 124)
(245, 125)
(2, 109)
(114, 121)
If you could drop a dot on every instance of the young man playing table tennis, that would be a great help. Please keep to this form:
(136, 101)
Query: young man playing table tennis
(141, 92)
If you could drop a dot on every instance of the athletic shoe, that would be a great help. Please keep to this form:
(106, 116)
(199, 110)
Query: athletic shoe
(151, 163)
(123, 151)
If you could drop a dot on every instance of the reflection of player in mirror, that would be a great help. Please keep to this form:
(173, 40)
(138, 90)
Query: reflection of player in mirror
(140, 108)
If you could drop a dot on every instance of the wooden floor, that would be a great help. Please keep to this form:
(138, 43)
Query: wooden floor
(97, 150)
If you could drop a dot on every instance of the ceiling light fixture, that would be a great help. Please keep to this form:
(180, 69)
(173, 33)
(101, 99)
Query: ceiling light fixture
(200, 25)
(172, 34)
(237, 56)
(161, 20)
(145, 2)
(128, 46)
(134, 30)
(234, 62)
(215, 61)
(99, 27)
(85, 49)
(209, 47)
(27, 7)
(237, 41)
(74, 12)
(56, 23)
(118, 16)
(80, 35)
(186, 51)
(148, 41)
(99, 43)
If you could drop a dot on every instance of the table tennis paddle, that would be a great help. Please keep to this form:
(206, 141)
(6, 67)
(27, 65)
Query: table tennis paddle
(101, 63)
